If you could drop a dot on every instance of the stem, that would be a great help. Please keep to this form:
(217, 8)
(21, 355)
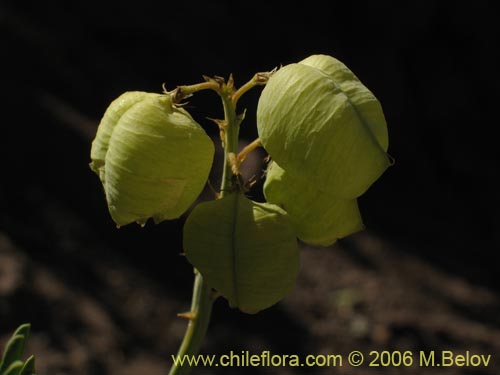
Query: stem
(183, 92)
(248, 149)
(231, 132)
(203, 297)
(199, 318)
(258, 79)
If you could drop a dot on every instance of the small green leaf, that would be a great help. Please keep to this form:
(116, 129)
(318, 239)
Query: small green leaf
(28, 367)
(13, 351)
(23, 330)
(14, 368)
(245, 250)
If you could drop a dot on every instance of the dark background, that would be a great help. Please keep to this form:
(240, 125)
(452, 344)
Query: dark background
(433, 66)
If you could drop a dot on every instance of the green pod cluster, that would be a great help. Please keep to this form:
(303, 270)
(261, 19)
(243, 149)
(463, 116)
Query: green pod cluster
(318, 217)
(153, 159)
(315, 118)
(245, 250)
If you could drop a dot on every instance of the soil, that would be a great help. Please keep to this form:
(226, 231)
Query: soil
(424, 274)
(104, 315)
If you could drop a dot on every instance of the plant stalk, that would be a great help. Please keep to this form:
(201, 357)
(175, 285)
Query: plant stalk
(203, 296)
(199, 318)
(231, 132)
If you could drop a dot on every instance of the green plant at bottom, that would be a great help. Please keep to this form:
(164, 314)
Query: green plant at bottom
(327, 137)
(11, 362)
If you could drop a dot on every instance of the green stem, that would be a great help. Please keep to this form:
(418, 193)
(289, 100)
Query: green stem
(248, 149)
(231, 133)
(259, 79)
(203, 297)
(183, 92)
(199, 318)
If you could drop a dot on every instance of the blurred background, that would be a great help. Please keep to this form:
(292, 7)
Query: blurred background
(422, 276)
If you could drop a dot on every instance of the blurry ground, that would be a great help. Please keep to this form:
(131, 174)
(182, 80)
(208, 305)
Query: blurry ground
(363, 294)
(102, 301)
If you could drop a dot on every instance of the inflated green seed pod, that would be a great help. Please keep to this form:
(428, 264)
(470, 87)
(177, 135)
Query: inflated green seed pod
(153, 158)
(111, 117)
(317, 119)
(245, 250)
(329, 65)
(318, 217)
(369, 108)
